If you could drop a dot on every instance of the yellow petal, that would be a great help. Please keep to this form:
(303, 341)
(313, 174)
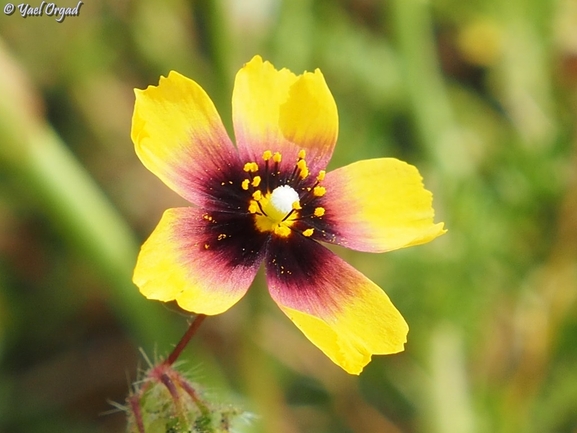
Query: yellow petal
(181, 261)
(281, 112)
(379, 205)
(339, 310)
(179, 136)
(369, 325)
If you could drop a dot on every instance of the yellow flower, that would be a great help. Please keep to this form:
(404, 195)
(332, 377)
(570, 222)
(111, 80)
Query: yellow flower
(270, 200)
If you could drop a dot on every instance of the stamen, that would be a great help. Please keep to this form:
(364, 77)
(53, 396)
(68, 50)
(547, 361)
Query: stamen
(256, 181)
(321, 175)
(245, 184)
(319, 211)
(257, 195)
(253, 207)
(302, 166)
(266, 156)
(272, 176)
(282, 231)
(286, 217)
(250, 167)
(319, 191)
(308, 232)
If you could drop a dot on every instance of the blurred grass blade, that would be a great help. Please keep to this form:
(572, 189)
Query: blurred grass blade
(425, 87)
(450, 396)
(37, 158)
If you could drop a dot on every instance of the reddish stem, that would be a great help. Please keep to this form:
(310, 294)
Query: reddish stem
(134, 405)
(194, 325)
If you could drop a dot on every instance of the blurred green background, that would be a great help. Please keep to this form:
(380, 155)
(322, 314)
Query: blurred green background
(481, 96)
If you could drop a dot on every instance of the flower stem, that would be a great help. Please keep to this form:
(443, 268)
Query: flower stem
(194, 325)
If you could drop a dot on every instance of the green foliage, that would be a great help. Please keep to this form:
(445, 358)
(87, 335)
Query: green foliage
(481, 96)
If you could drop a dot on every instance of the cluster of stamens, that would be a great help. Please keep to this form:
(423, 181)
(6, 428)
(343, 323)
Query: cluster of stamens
(277, 204)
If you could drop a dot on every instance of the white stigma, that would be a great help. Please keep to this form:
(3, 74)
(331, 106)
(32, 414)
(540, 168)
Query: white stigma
(282, 199)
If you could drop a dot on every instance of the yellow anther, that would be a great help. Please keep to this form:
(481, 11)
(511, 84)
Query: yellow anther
(319, 211)
(297, 205)
(267, 155)
(206, 246)
(257, 195)
(282, 231)
(308, 232)
(302, 166)
(245, 184)
(321, 175)
(302, 154)
(319, 191)
(250, 167)
(277, 157)
(256, 181)
(221, 236)
(253, 207)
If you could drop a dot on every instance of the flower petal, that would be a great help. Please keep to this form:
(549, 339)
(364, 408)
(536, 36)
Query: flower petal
(179, 136)
(338, 309)
(184, 259)
(279, 111)
(378, 205)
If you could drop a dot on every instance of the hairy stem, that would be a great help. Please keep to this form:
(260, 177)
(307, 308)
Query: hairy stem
(194, 325)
